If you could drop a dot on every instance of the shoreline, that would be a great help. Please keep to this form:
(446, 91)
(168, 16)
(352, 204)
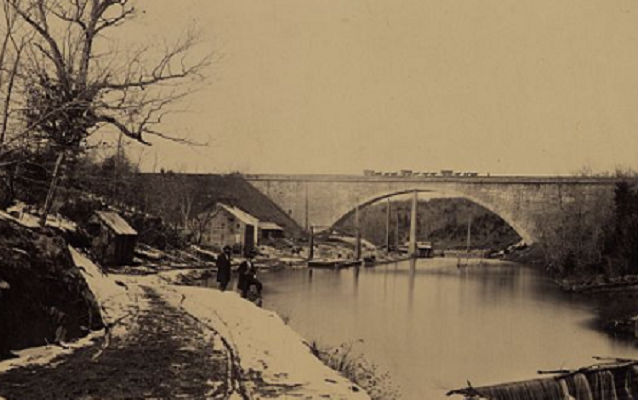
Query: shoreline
(261, 362)
(620, 291)
(264, 354)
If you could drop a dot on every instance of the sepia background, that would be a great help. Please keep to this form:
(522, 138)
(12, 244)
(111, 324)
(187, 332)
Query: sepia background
(499, 86)
(421, 269)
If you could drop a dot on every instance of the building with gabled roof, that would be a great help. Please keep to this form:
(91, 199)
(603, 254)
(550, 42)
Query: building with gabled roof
(231, 226)
(240, 214)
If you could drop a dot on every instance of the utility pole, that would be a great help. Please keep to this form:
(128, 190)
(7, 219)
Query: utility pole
(311, 243)
(469, 232)
(306, 206)
(387, 226)
(357, 227)
(396, 232)
(412, 243)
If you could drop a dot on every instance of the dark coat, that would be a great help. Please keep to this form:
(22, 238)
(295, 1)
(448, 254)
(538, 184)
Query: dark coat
(223, 268)
(244, 276)
(248, 278)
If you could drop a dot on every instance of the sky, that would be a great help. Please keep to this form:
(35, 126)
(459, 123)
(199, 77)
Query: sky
(332, 86)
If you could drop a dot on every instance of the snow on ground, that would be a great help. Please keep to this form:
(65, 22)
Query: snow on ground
(118, 296)
(174, 275)
(45, 354)
(117, 301)
(30, 220)
(263, 342)
(27, 220)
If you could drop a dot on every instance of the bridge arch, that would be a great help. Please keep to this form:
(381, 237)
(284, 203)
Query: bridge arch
(512, 222)
(525, 203)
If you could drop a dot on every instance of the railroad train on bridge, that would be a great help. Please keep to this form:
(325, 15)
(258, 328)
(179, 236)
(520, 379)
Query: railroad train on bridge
(408, 173)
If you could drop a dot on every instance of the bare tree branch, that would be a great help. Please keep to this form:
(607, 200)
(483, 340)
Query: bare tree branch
(42, 29)
(89, 90)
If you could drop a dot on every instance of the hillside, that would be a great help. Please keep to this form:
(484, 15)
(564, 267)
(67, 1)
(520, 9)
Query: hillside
(443, 221)
(202, 191)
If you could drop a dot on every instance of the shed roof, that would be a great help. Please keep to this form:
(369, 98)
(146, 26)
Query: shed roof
(270, 226)
(116, 223)
(239, 214)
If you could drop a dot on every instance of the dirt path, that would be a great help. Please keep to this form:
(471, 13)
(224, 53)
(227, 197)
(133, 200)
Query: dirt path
(167, 354)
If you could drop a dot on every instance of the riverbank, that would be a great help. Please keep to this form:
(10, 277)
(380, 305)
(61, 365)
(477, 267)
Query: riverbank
(616, 297)
(419, 324)
(165, 340)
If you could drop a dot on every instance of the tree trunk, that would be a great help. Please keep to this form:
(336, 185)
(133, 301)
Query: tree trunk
(9, 91)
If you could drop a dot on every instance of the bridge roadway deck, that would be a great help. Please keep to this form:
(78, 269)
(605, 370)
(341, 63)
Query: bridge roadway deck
(506, 179)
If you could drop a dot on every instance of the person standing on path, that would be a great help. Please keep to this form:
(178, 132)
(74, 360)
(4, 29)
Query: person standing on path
(223, 268)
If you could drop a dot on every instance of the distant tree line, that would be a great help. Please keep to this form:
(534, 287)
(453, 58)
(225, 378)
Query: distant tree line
(589, 234)
(592, 235)
(443, 221)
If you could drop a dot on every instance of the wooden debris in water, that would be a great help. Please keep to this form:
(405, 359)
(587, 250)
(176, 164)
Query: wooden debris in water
(615, 379)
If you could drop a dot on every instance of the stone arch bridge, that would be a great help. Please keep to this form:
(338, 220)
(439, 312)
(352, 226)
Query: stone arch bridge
(524, 202)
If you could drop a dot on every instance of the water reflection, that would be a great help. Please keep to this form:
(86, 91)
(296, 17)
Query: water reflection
(412, 263)
(433, 325)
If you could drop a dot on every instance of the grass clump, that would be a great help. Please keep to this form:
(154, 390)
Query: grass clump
(353, 365)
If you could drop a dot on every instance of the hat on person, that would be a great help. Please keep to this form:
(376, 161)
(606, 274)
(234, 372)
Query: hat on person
(226, 249)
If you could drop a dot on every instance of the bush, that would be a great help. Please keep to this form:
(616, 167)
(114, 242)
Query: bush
(154, 232)
(355, 367)
(79, 209)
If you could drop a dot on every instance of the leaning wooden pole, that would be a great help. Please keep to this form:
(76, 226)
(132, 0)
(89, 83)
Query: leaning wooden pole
(51, 192)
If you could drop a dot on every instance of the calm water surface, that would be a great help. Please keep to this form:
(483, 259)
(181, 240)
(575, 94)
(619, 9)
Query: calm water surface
(434, 326)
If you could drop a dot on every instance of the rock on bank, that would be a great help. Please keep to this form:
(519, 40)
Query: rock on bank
(43, 296)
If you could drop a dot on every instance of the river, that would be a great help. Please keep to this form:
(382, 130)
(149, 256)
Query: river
(435, 326)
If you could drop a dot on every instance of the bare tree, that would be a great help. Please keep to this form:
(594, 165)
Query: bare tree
(12, 46)
(182, 192)
(75, 84)
(573, 238)
(11, 52)
(199, 224)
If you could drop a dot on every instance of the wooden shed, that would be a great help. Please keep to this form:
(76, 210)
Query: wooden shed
(113, 238)
(270, 230)
(231, 226)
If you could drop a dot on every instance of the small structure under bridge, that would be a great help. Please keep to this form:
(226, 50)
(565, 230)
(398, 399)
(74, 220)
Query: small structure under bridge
(412, 242)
